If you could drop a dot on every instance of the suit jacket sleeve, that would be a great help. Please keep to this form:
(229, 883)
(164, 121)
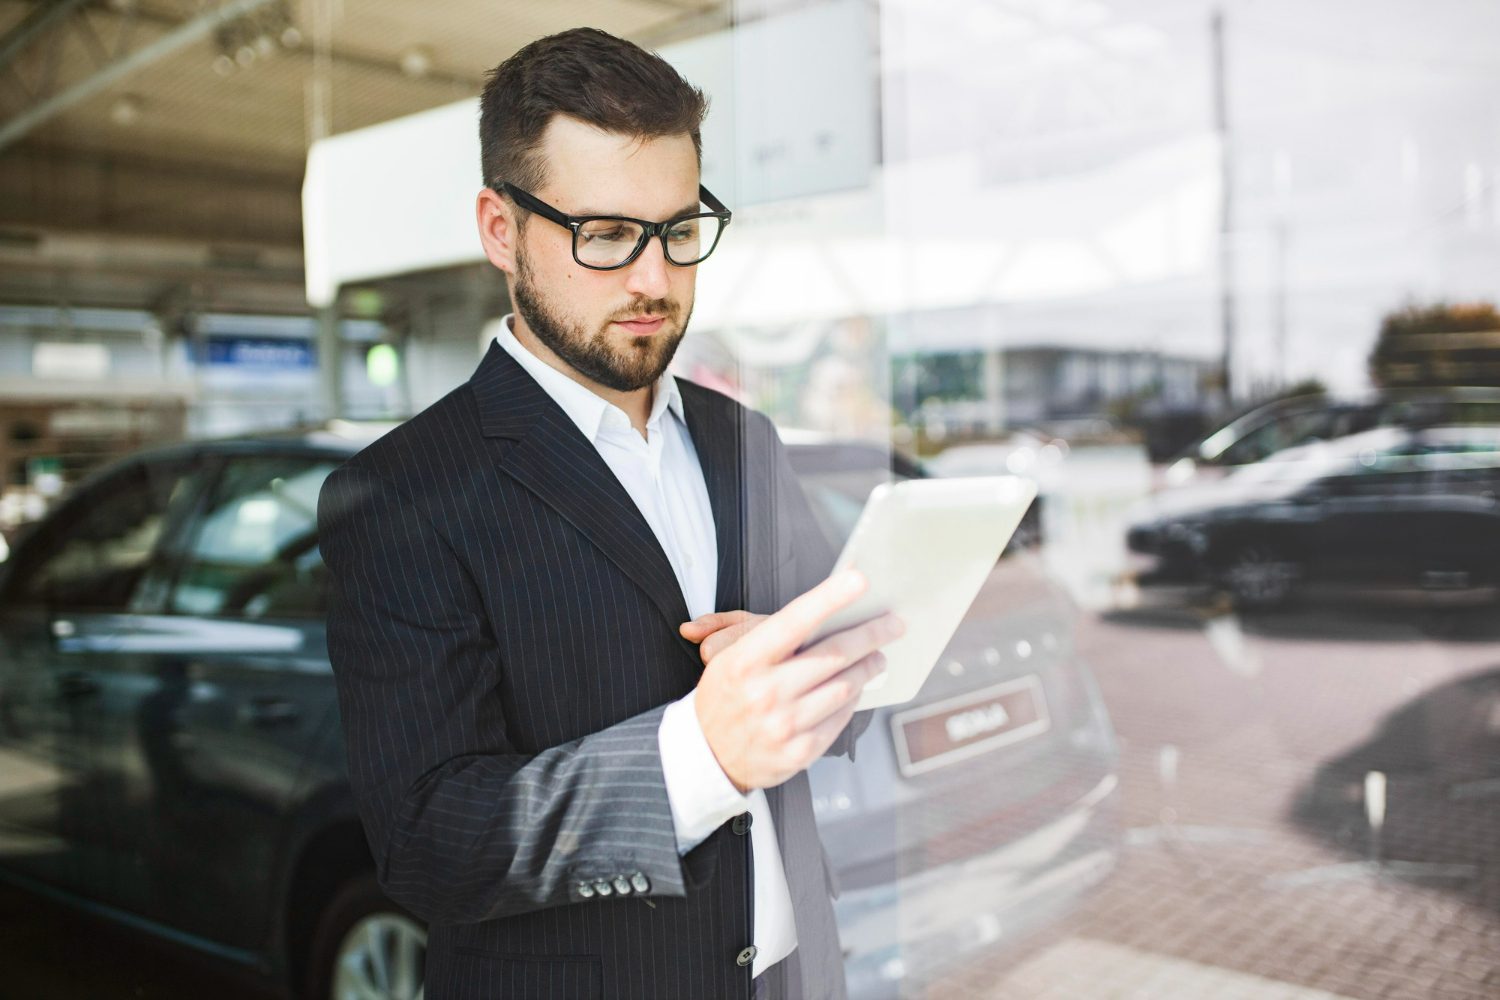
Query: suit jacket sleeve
(815, 557)
(464, 830)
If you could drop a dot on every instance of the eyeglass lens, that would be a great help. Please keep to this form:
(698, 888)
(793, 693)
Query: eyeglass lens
(610, 242)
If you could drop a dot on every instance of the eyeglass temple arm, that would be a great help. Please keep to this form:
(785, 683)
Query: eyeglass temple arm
(532, 204)
(709, 199)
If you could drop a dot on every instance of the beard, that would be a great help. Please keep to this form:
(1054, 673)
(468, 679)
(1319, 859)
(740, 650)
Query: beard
(623, 367)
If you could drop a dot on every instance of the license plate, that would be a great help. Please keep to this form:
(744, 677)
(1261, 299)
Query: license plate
(931, 736)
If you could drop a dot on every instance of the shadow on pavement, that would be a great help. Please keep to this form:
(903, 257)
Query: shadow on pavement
(1440, 818)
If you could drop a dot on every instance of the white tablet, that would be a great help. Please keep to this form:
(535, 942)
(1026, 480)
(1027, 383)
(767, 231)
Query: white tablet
(926, 546)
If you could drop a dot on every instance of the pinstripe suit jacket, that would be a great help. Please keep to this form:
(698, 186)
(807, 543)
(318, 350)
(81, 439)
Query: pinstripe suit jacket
(504, 641)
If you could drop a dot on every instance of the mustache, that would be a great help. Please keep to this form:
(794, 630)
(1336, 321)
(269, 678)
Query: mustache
(669, 308)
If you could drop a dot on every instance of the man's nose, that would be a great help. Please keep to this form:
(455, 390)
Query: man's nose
(647, 274)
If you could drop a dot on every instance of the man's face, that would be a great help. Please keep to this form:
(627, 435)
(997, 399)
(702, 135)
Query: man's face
(585, 316)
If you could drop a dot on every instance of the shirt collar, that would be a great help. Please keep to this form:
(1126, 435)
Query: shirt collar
(582, 405)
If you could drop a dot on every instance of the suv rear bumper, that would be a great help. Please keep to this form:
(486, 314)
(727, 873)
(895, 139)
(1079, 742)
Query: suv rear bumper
(927, 922)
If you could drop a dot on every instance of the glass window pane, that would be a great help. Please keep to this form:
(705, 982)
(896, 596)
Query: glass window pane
(94, 554)
(254, 554)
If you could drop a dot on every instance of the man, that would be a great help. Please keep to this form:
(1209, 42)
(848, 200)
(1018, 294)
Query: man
(577, 740)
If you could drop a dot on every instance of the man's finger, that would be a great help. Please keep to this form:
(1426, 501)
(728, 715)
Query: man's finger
(826, 659)
(712, 622)
(780, 635)
(824, 733)
(829, 697)
(725, 637)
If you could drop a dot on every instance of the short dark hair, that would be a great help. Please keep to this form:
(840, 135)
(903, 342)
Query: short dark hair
(588, 74)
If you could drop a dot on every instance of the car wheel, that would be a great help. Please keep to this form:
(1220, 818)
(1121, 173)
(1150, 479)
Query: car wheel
(1260, 576)
(366, 947)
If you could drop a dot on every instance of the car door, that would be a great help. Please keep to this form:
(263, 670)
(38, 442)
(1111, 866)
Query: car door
(228, 684)
(65, 607)
(1372, 524)
(1464, 525)
(1413, 522)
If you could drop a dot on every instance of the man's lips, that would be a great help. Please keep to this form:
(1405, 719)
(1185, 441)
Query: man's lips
(642, 325)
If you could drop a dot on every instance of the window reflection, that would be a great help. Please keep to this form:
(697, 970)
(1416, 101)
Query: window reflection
(255, 553)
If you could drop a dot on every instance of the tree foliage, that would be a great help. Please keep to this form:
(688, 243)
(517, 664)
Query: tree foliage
(1442, 344)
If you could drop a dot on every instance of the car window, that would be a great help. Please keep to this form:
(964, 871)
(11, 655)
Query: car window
(1465, 460)
(1476, 411)
(93, 554)
(1356, 420)
(1284, 431)
(254, 551)
(1470, 480)
(1405, 467)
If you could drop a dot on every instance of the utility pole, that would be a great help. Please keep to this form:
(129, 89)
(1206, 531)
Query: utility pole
(1282, 186)
(1226, 213)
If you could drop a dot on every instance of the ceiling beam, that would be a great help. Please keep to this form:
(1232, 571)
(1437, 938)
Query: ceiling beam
(105, 270)
(41, 17)
(84, 190)
(356, 60)
(183, 35)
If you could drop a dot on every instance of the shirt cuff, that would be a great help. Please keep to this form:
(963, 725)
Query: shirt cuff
(701, 795)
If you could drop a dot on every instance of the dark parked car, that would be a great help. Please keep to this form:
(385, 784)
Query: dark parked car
(1393, 507)
(170, 753)
(1286, 423)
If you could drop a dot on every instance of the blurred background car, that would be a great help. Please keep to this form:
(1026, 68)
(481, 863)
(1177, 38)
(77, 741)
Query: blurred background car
(1393, 508)
(170, 754)
(1300, 419)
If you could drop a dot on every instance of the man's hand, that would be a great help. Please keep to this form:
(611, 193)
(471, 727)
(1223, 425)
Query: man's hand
(718, 629)
(768, 711)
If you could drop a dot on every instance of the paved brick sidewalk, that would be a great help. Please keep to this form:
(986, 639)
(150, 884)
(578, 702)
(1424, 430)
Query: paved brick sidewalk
(1225, 888)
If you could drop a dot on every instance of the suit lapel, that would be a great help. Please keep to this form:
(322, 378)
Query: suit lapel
(718, 438)
(550, 457)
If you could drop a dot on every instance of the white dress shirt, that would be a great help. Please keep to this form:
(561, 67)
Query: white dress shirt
(662, 475)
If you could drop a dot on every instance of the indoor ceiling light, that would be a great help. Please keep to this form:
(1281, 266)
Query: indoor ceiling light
(126, 110)
(257, 35)
(416, 61)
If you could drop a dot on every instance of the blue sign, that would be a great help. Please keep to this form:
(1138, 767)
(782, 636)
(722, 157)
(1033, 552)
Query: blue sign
(260, 353)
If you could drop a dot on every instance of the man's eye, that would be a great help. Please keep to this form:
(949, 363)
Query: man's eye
(683, 232)
(612, 234)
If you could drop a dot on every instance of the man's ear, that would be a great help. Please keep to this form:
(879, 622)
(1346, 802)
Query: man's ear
(497, 229)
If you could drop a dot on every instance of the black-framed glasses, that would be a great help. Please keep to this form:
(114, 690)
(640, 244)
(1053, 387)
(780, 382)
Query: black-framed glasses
(609, 242)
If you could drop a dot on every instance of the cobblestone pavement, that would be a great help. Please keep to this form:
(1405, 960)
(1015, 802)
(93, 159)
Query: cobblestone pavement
(1235, 879)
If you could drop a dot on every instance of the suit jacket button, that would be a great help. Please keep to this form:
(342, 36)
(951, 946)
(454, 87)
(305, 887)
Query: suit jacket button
(742, 823)
(585, 890)
(640, 882)
(746, 956)
(622, 886)
(603, 888)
